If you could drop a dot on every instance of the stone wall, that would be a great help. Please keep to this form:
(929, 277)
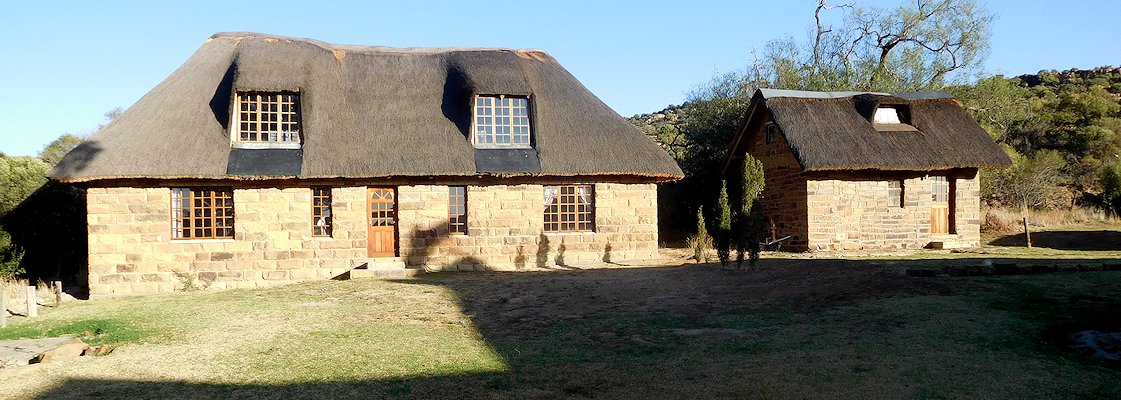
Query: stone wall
(784, 194)
(967, 210)
(131, 250)
(504, 228)
(850, 214)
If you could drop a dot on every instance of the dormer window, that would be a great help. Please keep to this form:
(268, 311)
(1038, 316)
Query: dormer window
(501, 122)
(267, 120)
(887, 115)
(892, 118)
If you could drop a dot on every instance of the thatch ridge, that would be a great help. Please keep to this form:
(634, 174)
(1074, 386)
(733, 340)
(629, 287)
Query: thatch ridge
(367, 112)
(828, 132)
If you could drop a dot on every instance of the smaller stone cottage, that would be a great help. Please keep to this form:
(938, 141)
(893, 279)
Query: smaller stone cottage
(267, 159)
(852, 171)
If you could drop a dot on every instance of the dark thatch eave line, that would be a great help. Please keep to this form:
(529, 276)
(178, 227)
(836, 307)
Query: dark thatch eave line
(366, 112)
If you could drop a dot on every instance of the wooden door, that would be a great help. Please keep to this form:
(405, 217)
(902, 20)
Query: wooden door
(381, 211)
(940, 205)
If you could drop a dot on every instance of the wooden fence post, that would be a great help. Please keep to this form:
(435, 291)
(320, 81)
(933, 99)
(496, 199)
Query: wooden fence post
(32, 304)
(57, 294)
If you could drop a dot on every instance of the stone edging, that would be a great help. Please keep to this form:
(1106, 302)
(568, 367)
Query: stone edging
(1008, 269)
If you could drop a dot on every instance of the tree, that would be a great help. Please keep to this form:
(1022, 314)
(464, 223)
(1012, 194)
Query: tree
(1111, 187)
(723, 226)
(19, 177)
(1002, 106)
(112, 115)
(917, 47)
(1031, 183)
(57, 149)
(920, 46)
(752, 225)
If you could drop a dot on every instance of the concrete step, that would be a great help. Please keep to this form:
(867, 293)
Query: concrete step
(401, 273)
(384, 263)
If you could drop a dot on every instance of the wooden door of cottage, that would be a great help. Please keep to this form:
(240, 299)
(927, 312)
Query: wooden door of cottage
(381, 211)
(939, 205)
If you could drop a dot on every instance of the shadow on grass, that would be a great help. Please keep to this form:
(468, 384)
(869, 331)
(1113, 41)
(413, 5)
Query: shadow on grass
(1066, 240)
(699, 332)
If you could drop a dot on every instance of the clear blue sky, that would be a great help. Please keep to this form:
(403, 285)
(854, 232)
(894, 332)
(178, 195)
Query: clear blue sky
(63, 65)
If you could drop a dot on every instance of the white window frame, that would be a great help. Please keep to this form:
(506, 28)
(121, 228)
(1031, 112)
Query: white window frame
(512, 126)
(235, 123)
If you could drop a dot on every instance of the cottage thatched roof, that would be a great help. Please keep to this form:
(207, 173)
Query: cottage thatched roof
(367, 112)
(833, 131)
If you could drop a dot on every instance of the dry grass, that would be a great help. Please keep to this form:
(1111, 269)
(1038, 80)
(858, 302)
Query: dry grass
(1002, 220)
(16, 292)
(799, 328)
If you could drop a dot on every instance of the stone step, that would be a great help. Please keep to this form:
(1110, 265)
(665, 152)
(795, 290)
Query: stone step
(946, 244)
(385, 273)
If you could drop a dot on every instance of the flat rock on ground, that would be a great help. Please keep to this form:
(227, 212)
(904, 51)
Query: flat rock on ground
(19, 351)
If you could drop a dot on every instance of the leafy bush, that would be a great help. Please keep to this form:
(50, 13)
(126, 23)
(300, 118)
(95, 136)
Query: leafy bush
(1111, 187)
(723, 226)
(751, 221)
(10, 257)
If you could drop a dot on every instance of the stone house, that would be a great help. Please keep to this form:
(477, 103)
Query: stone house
(268, 159)
(852, 171)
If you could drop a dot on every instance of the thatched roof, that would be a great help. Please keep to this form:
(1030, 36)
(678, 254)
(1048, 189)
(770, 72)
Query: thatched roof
(835, 131)
(367, 112)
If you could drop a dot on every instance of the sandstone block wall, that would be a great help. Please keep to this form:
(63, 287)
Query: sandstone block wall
(854, 215)
(784, 194)
(132, 252)
(505, 228)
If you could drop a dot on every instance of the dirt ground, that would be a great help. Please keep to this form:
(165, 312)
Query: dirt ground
(527, 303)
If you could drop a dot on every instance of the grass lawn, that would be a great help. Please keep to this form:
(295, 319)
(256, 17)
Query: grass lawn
(798, 328)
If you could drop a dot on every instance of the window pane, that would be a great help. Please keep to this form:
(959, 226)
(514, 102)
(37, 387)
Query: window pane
(321, 221)
(569, 208)
(502, 121)
(269, 109)
(195, 213)
(457, 210)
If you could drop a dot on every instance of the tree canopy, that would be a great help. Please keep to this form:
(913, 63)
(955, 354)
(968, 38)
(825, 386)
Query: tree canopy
(57, 149)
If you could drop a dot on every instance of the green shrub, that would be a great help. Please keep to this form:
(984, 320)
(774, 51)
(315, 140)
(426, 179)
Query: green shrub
(724, 226)
(10, 257)
(1111, 187)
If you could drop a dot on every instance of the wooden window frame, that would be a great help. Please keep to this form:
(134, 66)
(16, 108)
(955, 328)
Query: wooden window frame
(241, 134)
(322, 211)
(219, 224)
(897, 193)
(564, 216)
(770, 133)
(937, 181)
(488, 116)
(457, 210)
